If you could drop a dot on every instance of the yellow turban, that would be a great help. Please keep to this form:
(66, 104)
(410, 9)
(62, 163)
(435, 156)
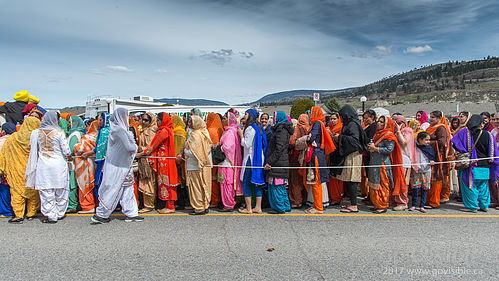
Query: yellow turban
(26, 97)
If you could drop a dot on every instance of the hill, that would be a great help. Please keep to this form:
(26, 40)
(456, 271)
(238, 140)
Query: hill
(288, 97)
(464, 81)
(190, 101)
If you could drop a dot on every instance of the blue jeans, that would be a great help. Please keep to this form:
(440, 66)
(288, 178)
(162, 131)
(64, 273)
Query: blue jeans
(415, 194)
(247, 183)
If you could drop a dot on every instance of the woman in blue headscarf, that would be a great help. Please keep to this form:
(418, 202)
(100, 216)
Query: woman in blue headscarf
(254, 143)
(277, 156)
(5, 206)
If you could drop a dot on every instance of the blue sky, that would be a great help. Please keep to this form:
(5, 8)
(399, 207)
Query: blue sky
(234, 51)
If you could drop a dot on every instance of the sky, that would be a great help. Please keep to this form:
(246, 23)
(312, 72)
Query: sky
(235, 51)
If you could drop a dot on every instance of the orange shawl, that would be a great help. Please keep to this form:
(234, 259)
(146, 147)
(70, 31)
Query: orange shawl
(327, 142)
(214, 127)
(388, 133)
(85, 168)
(432, 128)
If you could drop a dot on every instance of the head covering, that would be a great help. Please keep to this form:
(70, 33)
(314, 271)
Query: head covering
(387, 133)
(432, 128)
(200, 142)
(423, 118)
(38, 111)
(232, 120)
(76, 124)
(132, 125)
(197, 112)
(253, 113)
(63, 124)
(51, 122)
(280, 117)
(121, 145)
(317, 115)
(301, 129)
(474, 122)
(26, 97)
(9, 128)
(452, 121)
(27, 109)
(179, 133)
(214, 126)
(336, 128)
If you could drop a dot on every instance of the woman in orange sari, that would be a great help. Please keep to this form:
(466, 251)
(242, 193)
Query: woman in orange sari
(166, 170)
(439, 139)
(216, 130)
(85, 168)
(384, 179)
(335, 186)
(320, 144)
(297, 193)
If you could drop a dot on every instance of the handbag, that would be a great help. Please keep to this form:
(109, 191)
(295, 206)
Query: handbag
(463, 160)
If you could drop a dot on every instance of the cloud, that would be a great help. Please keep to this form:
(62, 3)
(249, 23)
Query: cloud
(247, 55)
(381, 51)
(111, 69)
(223, 56)
(218, 57)
(161, 71)
(418, 50)
(118, 68)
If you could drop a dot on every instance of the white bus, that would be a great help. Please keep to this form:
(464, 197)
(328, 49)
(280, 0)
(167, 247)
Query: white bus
(145, 104)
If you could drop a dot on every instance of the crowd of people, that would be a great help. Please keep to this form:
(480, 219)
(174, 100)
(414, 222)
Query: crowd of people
(59, 163)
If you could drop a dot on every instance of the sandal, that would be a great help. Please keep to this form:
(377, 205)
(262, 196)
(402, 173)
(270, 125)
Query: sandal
(348, 210)
(380, 211)
(313, 211)
(145, 210)
(256, 212)
(166, 211)
(16, 220)
(245, 211)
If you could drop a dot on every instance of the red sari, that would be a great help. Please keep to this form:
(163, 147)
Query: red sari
(166, 170)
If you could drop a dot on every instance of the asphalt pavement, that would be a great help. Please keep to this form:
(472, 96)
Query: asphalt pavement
(443, 244)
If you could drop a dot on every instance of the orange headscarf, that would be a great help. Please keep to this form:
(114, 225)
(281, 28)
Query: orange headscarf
(432, 128)
(337, 128)
(388, 133)
(327, 142)
(301, 129)
(214, 127)
(132, 123)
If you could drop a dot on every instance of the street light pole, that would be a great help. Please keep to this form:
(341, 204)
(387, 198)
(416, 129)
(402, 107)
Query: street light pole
(363, 99)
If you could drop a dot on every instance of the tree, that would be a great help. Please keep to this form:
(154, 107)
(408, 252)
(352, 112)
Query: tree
(301, 106)
(333, 105)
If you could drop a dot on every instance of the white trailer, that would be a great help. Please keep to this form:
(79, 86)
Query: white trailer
(108, 105)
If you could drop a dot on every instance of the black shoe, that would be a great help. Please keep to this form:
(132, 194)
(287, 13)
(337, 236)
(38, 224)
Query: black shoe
(274, 212)
(206, 211)
(61, 218)
(72, 211)
(98, 220)
(132, 219)
(46, 220)
(198, 214)
(16, 220)
(226, 210)
(30, 218)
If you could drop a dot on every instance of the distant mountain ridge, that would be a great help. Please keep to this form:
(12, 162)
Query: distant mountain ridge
(190, 101)
(290, 96)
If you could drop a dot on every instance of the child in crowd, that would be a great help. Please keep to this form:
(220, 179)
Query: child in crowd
(421, 173)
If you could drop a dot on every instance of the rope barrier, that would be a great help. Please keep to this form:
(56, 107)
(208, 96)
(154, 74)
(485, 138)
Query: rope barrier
(326, 167)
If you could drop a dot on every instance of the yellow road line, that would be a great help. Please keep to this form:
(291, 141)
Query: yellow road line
(310, 215)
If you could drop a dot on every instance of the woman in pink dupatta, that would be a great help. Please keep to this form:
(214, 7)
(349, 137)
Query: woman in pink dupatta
(228, 176)
(405, 137)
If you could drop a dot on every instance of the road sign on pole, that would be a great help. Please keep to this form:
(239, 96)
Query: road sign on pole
(317, 96)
